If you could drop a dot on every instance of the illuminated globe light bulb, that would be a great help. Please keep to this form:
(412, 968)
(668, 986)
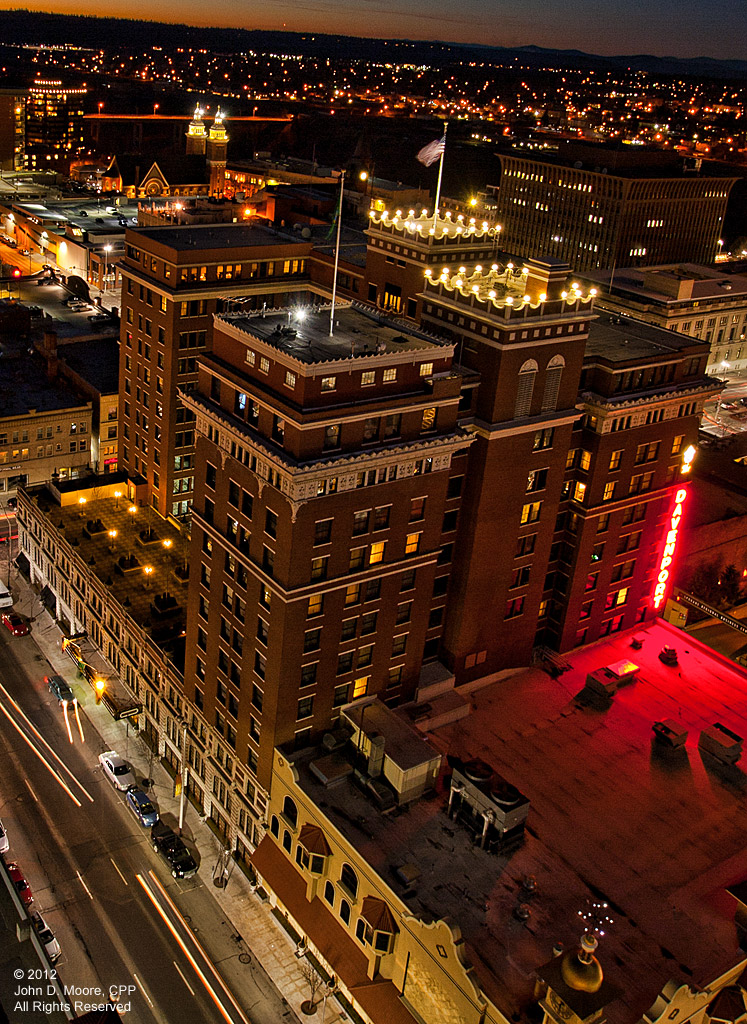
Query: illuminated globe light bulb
(410, 213)
(472, 221)
(592, 291)
(478, 268)
(492, 293)
(527, 298)
(458, 282)
(475, 288)
(564, 295)
(494, 267)
(687, 459)
(543, 297)
(462, 270)
(428, 272)
(509, 300)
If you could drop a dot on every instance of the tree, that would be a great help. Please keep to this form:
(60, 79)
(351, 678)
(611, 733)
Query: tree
(731, 584)
(314, 981)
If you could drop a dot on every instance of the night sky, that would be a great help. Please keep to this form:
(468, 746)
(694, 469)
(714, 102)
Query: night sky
(679, 28)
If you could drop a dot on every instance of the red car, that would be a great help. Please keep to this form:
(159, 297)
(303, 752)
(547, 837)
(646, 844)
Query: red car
(22, 886)
(14, 622)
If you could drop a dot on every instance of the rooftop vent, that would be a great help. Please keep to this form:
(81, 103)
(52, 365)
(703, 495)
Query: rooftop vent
(489, 806)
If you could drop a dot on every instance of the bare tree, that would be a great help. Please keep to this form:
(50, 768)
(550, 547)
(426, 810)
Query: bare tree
(314, 981)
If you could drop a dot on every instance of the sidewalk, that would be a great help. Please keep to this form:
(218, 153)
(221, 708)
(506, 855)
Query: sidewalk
(252, 919)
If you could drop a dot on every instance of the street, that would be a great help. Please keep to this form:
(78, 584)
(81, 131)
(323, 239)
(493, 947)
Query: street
(124, 924)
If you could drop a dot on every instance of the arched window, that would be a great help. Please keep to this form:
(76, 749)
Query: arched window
(553, 373)
(275, 826)
(329, 893)
(290, 812)
(525, 388)
(349, 879)
(345, 911)
(287, 840)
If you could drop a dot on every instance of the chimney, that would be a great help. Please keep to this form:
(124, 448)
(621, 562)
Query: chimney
(50, 352)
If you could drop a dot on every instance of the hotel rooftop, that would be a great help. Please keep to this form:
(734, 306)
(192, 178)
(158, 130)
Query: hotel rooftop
(615, 817)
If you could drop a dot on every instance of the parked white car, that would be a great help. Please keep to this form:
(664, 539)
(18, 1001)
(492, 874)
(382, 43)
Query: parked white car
(46, 935)
(117, 770)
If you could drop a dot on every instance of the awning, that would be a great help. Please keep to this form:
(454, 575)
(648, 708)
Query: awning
(377, 913)
(313, 840)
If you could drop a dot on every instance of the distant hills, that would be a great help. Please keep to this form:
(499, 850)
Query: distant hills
(31, 27)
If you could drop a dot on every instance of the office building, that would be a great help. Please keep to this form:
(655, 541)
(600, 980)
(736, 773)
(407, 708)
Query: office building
(598, 208)
(702, 302)
(326, 479)
(54, 124)
(173, 280)
(12, 129)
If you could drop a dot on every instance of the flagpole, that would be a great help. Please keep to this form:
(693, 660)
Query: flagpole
(440, 172)
(337, 258)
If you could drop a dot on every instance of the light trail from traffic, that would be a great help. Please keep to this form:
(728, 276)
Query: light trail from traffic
(222, 1009)
(37, 750)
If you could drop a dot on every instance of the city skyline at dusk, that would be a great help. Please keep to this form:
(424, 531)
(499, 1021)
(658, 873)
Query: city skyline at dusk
(684, 30)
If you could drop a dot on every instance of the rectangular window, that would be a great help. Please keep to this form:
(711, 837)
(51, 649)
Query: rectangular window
(305, 708)
(329, 383)
(376, 552)
(360, 523)
(429, 419)
(360, 687)
(352, 594)
(368, 377)
(514, 607)
(412, 543)
(609, 491)
(389, 375)
(357, 559)
(316, 605)
(322, 531)
(530, 513)
(615, 459)
(290, 379)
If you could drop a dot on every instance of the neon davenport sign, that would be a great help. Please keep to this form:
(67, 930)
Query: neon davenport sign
(670, 546)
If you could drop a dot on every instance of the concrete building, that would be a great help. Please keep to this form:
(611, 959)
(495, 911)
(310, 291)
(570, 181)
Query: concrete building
(699, 301)
(597, 207)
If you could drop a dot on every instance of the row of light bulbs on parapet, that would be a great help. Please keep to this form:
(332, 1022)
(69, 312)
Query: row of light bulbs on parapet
(575, 294)
(413, 222)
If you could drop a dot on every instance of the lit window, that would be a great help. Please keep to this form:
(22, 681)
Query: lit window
(426, 369)
(290, 379)
(368, 377)
(376, 552)
(250, 357)
(390, 375)
(316, 604)
(329, 383)
(360, 687)
(412, 543)
(264, 364)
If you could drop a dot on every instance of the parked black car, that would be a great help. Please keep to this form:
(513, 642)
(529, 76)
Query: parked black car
(172, 849)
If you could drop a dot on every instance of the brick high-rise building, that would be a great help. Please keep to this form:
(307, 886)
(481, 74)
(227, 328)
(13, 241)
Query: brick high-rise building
(173, 280)
(328, 469)
(609, 208)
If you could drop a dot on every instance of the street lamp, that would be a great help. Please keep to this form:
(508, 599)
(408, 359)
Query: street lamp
(112, 536)
(148, 570)
(155, 108)
(720, 248)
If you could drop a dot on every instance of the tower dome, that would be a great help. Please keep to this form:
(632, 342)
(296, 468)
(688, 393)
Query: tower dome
(580, 969)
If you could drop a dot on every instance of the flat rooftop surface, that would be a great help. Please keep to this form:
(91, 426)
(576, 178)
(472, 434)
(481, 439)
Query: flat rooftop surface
(216, 236)
(618, 338)
(24, 386)
(304, 333)
(648, 283)
(134, 589)
(656, 833)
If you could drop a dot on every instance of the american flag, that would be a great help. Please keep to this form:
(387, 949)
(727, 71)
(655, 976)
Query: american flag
(432, 152)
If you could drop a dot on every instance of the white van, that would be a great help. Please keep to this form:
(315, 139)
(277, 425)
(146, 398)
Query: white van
(6, 598)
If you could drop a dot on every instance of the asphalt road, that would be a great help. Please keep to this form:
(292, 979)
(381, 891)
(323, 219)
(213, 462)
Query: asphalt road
(120, 918)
